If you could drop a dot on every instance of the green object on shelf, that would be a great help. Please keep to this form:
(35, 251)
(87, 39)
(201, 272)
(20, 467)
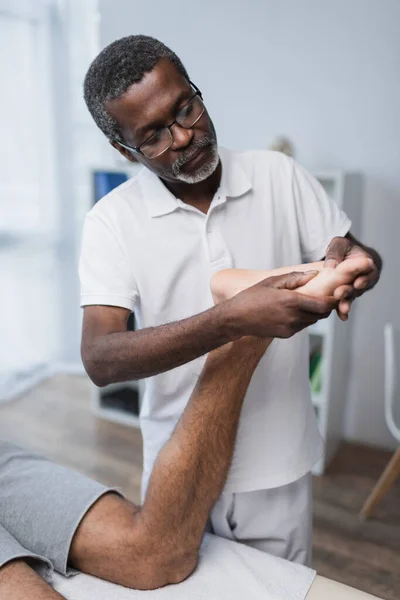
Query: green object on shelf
(316, 378)
(314, 360)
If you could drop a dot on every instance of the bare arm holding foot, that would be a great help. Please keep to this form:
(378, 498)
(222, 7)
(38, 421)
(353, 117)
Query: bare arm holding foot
(158, 544)
(191, 469)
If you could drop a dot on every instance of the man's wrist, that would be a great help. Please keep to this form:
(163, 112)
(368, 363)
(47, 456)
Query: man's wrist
(229, 321)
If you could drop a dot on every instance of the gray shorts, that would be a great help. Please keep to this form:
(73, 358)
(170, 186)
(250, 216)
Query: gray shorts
(41, 506)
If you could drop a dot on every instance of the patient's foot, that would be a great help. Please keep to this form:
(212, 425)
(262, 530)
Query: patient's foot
(328, 279)
(229, 282)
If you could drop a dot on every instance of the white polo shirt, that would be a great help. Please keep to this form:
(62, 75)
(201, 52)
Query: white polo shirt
(145, 250)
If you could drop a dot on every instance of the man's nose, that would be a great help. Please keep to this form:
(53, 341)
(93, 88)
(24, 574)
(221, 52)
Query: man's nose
(181, 136)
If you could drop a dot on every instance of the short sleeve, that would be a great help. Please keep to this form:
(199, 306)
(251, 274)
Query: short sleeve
(105, 271)
(319, 217)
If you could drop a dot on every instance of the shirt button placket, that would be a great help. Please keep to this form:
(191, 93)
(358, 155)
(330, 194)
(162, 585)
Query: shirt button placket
(218, 252)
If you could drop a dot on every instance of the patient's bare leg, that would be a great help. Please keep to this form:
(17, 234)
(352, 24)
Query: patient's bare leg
(227, 283)
(18, 581)
(107, 546)
(102, 545)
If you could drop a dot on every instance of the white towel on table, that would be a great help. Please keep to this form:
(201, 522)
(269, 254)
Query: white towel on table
(226, 571)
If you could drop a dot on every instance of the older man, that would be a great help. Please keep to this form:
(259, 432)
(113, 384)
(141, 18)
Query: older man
(152, 244)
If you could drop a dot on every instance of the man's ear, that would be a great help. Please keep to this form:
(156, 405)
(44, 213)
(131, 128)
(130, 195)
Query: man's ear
(124, 151)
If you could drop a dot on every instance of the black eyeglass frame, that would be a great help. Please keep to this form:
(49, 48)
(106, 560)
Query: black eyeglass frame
(137, 148)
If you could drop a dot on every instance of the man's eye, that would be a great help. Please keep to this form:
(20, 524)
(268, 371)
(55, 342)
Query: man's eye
(186, 110)
(154, 138)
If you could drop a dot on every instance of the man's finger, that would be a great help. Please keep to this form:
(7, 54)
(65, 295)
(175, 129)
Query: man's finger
(331, 262)
(343, 292)
(336, 251)
(366, 281)
(342, 316)
(357, 251)
(292, 281)
(344, 307)
(319, 306)
(306, 319)
(361, 283)
(314, 318)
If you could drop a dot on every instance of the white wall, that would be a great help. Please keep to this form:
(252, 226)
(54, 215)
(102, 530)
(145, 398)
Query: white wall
(327, 74)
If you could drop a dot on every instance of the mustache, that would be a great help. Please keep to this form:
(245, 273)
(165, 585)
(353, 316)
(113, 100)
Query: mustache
(190, 152)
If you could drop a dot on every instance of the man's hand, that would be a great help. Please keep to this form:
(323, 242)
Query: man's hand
(339, 250)
(272, 309)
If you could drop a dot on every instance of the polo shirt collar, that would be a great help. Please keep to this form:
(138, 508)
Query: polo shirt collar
(160, 201)
(234, 181)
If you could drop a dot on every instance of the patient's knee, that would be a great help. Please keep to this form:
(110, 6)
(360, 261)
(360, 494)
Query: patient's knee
(113, 543)
(103, 534)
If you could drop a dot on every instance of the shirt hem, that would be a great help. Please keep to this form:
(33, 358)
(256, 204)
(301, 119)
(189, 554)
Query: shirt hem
(107, 300)
(268, 482)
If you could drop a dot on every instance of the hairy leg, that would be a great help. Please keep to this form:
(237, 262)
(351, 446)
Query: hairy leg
(227, 283)
(102, 545)
(106, 545)
(18, 581)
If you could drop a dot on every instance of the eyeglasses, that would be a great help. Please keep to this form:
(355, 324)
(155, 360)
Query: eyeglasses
(162, 140)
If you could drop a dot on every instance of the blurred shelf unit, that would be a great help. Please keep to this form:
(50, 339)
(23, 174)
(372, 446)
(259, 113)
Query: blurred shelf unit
(330, 339)
(117, 402)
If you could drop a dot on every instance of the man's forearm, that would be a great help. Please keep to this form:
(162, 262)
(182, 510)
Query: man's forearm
(191, 469)
(125, 356)
(271, 308)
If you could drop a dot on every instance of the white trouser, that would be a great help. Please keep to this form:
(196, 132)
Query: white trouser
(277, 521)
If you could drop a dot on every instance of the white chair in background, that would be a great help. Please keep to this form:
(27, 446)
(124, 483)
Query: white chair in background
(392, 471)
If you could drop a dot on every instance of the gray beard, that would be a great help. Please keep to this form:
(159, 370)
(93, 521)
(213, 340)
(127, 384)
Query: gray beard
(203, 172)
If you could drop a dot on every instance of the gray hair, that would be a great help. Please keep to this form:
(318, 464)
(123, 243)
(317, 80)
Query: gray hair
(115, 69)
